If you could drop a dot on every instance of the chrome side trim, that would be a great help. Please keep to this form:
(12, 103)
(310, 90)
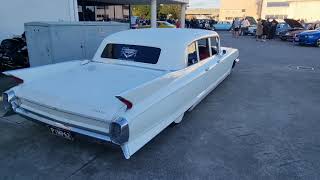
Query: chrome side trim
(61, 110)
(55, 123)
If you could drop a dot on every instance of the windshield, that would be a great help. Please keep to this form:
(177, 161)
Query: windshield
(166, 24)
(134, 53)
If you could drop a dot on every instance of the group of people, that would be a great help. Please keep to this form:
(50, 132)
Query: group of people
(240, 26)
(266, 29)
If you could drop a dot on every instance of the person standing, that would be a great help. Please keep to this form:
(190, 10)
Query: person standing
(259, 32)
(232, 28)
(269, 24)
(241, 26)
(178, 24)
(237, 25)
(274, 24)
(265, 30)
(244, 26)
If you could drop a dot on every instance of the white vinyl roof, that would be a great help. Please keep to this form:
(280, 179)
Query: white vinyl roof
(141, 1)
(173, 43)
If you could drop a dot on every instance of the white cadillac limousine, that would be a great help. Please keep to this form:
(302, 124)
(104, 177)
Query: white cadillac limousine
(138, 83)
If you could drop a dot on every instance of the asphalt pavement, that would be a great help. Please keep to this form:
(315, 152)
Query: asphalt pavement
(262, 122)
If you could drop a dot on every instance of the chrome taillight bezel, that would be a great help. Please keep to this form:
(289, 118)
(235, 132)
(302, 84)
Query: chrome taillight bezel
(7, 98)
(119, 131)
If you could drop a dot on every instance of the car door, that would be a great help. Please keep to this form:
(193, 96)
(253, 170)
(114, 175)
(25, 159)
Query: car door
(193, 79)
(208, 56)
(218, 26)
(218, 66)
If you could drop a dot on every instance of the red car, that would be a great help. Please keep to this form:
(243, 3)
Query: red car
(295, 28)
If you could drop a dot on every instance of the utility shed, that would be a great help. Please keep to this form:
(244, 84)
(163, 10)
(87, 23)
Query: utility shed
(54, 42)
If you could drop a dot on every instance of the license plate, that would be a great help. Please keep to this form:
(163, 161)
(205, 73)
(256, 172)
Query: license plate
(297, 39)
(61, 133)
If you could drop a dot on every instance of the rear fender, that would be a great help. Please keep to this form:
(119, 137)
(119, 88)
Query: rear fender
(30, 74)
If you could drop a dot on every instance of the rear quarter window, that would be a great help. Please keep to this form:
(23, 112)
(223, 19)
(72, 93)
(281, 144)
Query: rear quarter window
(142, 54)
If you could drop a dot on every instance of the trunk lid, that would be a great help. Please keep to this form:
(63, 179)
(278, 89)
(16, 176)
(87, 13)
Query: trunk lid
(88, 89)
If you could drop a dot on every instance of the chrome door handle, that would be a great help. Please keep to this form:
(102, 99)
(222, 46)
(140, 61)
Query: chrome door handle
(209, 68)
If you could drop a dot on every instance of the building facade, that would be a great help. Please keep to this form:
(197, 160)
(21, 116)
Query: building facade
(202, 13)
(103, 13)
(307, 10)
(231, 9)
(14, 13)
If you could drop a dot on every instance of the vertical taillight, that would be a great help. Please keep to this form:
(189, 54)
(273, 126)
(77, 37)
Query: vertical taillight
(125, 101)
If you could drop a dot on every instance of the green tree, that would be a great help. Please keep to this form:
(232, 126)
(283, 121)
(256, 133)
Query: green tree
(163, 11)
(170, 9)
(141, 11)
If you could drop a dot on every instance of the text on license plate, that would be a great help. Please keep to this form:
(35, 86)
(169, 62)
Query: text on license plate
(62, 133)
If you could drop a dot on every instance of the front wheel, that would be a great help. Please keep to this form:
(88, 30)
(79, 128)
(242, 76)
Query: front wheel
(318, 43)
(283, 38)
(179, 119)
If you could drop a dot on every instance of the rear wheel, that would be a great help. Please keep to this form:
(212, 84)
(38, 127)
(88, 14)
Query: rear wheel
(179, 119)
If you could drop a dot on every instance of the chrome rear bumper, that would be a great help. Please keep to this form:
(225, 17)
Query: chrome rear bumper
(117, 131)
(55, 123)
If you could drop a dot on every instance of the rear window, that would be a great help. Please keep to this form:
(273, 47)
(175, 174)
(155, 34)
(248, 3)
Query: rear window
(143, 54)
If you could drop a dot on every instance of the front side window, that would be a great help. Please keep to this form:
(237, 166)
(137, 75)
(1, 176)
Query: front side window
(214, 45)
(204, 48)
(142, 54)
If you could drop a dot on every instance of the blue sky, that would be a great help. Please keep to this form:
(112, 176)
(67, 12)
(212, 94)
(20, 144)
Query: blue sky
(204, 3)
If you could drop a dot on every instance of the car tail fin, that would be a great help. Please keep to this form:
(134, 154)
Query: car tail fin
(144, 91)
(125, 101)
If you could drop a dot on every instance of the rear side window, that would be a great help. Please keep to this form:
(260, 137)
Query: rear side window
(192, 54)
(143, 54)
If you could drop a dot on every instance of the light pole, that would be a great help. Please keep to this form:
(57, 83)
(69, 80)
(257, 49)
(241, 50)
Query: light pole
(261, 7)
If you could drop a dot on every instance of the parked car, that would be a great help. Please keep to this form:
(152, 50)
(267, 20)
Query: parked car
(136, 85)
(223, 26)
(161, 24)
(165, 24)
(295, 28)
(282, 27)
(310, 37)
